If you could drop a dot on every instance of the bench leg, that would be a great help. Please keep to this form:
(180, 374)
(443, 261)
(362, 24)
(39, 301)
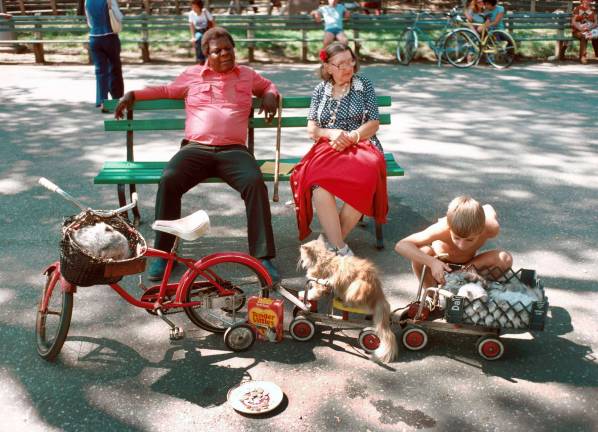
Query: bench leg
(379, 236)
(136, 213)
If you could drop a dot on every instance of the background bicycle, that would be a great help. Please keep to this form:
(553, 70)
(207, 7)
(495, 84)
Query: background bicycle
(212, 291)
(409, 39)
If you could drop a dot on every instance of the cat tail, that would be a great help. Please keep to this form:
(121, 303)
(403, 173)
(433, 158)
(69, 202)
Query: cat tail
(388, 349)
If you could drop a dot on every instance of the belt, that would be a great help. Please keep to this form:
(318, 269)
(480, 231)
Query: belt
(213, 148)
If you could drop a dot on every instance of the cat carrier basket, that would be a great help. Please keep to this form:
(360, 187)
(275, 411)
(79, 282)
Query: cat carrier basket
(502, 314)
(81, 268)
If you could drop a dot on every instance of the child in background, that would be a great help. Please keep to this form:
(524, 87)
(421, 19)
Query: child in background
(200, 20)
(333, 16)
(457, 237)
(474, 14)
(494, 15)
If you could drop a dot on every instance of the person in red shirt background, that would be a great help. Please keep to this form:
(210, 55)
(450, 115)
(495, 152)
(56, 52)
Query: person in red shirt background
(218, 97)
(583, 20)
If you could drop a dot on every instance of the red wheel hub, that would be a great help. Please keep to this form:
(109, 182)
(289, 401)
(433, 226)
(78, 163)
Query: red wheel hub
(415, 339)
(371, 341)
(302, 330)
(490, 348)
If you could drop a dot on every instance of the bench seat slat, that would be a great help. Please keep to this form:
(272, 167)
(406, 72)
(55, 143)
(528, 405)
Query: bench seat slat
(123, 172)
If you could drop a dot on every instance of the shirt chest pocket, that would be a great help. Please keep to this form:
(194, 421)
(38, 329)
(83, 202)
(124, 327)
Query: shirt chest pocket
(243, 94)
(200, 94)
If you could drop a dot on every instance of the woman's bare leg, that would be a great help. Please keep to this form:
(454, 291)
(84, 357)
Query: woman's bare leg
(325, 205)
(349, 217)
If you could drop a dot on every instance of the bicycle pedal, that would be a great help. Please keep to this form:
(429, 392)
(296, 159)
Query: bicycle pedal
(177, 333)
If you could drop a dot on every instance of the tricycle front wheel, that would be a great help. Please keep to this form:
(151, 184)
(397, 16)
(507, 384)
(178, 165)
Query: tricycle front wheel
(53, 317)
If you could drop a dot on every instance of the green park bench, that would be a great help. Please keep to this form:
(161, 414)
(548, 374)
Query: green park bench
(132, 172)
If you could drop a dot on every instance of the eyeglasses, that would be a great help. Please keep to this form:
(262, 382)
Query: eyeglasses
(344, 65)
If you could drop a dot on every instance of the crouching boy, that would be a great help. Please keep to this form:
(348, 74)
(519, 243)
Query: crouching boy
(456, 238)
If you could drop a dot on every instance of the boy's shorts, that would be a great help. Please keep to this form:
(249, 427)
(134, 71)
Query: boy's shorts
(334, 30)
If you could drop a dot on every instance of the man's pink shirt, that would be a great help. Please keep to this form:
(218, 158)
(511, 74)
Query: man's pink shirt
(217, 105)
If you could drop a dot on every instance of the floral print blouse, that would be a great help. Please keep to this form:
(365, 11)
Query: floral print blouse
(358, 106)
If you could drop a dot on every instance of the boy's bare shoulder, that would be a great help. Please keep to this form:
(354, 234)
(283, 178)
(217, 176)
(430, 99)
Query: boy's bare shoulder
(492, 225)
(436, 231)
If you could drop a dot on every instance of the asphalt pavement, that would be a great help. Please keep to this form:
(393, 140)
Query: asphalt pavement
(523, 139)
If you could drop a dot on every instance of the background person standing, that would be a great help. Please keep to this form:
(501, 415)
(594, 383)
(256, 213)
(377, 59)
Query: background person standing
(105, 50)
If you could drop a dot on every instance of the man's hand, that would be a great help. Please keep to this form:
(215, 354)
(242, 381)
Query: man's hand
(269, 106)
(438, 268)
(125, 103)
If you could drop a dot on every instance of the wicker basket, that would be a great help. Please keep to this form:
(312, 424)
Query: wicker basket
(80, 268)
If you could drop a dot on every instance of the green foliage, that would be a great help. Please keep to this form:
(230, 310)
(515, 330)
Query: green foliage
(378, 45)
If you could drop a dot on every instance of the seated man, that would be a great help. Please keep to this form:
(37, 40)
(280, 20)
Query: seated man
(217, 104)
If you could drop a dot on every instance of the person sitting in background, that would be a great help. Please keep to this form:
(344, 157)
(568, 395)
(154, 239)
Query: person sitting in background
(200, 20)
(333, 15)
(583, 21)
(218, 100)
(346, 160)
(494, 16)
(474, 14)
(456, 237)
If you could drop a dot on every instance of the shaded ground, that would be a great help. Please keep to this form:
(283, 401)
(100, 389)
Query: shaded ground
(523, 139)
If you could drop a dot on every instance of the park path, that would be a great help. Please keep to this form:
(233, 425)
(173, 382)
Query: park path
(524, 139)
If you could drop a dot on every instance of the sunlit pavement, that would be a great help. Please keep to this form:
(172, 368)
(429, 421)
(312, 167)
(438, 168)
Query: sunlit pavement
(523, 139)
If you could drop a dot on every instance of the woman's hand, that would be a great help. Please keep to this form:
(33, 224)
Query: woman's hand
(340, 139)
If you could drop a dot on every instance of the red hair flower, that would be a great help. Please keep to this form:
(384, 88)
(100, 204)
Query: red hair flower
(323, 55)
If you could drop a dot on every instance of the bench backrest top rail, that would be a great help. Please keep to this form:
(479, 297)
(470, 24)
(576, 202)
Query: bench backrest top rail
(179, 123)
(167, 104)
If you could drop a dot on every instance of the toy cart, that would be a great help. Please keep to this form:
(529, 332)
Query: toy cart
(437, 308)
(307, 317)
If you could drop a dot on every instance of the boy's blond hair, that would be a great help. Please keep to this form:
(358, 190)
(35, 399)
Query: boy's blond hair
(465, 216)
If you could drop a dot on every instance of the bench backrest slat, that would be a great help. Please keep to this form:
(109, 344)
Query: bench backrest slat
(166, 104)
(179, 123)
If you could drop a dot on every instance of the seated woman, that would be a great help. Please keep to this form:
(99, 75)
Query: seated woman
(346, 160)
(583, 22)
(474, 14)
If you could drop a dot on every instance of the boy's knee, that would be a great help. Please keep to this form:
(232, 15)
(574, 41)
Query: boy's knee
(427, 250)
(505, 259)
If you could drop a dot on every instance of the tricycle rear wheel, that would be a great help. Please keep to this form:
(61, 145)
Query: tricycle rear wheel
(53, 321)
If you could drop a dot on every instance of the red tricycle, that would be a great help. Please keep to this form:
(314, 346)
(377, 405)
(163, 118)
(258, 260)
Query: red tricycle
(212, 291)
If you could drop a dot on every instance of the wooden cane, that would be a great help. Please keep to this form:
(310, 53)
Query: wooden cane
(277, 152)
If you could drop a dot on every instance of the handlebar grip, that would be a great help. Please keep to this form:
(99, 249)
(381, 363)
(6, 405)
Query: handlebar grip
(48, 184)
(134, 198)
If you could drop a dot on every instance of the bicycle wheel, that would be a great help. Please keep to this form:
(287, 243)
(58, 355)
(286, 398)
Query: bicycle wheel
(211, 279)
(462, 48)
(406, 46)
(500, 49)
(53, 322)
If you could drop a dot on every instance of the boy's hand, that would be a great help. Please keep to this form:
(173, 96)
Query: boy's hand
(438, 268)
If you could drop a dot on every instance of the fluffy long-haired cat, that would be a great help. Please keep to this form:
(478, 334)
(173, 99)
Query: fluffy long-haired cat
(355, 281)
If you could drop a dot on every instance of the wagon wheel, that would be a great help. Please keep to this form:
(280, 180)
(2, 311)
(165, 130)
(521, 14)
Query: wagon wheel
(490, 348)
(415, 338)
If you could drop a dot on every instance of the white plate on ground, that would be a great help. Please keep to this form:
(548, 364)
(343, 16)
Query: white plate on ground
(255, 397)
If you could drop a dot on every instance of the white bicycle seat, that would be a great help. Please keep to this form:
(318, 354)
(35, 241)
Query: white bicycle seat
(188, 228)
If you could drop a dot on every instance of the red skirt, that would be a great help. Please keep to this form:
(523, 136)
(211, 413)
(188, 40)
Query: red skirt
(357, 176)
